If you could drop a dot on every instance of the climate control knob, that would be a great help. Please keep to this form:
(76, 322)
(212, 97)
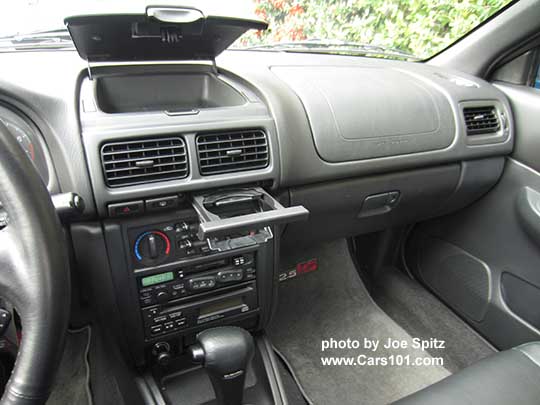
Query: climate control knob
(152, 247)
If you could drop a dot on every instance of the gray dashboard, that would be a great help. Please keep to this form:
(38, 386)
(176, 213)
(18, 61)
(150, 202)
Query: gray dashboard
(302, 161)
(99, 127)
(327, 117)
(358, 113)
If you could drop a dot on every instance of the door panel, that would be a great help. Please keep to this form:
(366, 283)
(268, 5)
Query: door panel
(525, 102)
(484, 261)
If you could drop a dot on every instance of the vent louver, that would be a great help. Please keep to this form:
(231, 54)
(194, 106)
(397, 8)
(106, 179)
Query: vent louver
(232, 151)
(481, 120)
(144, 161)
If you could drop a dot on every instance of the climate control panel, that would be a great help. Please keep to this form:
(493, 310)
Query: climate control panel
(166, 242)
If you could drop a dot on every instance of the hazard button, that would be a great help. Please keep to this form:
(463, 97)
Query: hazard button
(126, 208)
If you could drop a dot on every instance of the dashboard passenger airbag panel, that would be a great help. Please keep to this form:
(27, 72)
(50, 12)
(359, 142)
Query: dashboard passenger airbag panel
(359, 113)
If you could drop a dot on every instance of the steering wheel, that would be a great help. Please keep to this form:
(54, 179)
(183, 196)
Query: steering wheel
(34, 274)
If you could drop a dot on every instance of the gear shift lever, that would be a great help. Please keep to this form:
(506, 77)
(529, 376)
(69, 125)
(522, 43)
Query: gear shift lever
(225, 353)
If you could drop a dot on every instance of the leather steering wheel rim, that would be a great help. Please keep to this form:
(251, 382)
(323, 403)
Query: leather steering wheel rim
(34, 274)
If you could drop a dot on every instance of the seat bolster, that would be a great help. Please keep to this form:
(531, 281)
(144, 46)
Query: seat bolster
(509, 377)
(531, 350)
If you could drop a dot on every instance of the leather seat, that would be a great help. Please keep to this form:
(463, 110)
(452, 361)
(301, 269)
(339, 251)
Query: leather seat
(511, 377)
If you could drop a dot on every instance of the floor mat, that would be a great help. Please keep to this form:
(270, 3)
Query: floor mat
(72, 377)
(332, 303)
(421, 314)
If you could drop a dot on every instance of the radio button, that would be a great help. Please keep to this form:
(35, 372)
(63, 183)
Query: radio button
(162, 297)
(149, 314)
(175, 315)
(180, 323)
(153, 311)
(159, 319)
(227, 276)
(240, 260)
(169, 326)
(201, 283)
(147, 300)
(175, 294)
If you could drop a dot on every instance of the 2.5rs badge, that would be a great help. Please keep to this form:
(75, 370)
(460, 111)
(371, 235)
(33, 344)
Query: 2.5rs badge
(301, 268)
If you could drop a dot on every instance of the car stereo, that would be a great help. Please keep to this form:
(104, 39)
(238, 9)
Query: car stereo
(176, 316)
(163, 295)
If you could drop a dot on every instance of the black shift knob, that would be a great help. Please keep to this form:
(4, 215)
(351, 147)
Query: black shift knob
(225, 353)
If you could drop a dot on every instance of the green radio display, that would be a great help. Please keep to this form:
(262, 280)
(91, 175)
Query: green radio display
(157, 278)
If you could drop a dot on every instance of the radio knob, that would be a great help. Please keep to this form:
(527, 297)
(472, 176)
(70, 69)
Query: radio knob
(162, 352)
(163, 359)
(162, 297)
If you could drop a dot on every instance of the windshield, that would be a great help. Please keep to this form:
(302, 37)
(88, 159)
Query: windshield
(419, 28)
(406, 29)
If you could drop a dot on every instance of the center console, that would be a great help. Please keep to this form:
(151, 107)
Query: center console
(187, 232)
(208, 260)
(178, 153)
(159, 279)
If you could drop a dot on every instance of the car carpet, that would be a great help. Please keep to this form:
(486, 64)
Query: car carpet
(421, 314)
(72, 378)
(332, 302)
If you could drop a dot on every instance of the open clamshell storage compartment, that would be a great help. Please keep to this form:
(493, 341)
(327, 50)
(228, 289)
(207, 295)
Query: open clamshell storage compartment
(156, 33)
(160, 33)
(242, 212)
(175, 93)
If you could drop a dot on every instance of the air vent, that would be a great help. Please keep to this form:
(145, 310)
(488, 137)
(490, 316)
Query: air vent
(144, 161)
(481, 120)
(232, 151)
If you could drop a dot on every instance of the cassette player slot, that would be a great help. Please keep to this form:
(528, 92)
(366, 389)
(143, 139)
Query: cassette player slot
(211, 265)
(218, 310)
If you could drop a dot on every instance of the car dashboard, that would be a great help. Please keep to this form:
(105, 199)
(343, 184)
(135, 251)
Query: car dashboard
(195, 174)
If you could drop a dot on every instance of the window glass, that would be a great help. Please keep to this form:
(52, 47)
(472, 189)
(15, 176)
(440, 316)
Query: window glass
(419, 28)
